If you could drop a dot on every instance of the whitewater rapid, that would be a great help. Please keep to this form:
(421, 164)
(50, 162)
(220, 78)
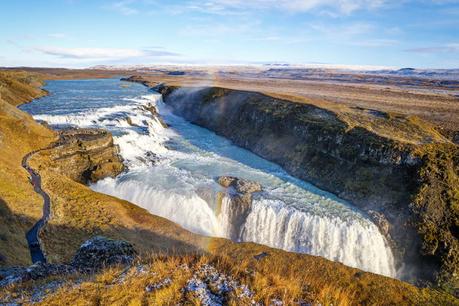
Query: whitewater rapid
(172, 171)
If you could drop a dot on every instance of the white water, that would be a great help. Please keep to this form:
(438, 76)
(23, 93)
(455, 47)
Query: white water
(172, 174)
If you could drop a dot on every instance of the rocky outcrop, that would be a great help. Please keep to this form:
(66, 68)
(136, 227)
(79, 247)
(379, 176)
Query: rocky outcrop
(40, 270)
(239, 185)
(377, 172)
(94, 254)
(86, 155)
(99, 252)
(239, 202)
(135, 79)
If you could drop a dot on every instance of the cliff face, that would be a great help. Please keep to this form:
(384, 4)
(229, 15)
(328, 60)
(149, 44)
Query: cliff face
(85, 155)
(381, 175)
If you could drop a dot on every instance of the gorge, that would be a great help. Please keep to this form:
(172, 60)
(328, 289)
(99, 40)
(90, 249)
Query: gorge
(190, 175)
(176, 164)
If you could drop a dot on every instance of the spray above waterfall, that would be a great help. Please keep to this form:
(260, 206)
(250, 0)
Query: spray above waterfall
(172, 173)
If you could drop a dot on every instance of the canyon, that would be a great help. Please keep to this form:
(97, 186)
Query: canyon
(380, 175)
(385, 176)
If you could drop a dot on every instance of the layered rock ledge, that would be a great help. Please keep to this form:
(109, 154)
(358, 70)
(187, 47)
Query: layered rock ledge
(85, 155)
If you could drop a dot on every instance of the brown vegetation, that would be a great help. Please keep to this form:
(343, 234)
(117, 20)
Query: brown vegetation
(20, 206)
(79, 213)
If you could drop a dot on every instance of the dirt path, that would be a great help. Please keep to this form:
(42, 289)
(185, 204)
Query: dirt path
(33, 240)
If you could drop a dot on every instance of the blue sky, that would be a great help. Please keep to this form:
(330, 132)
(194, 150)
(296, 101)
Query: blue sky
(82, 33)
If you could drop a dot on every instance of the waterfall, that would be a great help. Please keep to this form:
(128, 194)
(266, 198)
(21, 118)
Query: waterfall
(354, 243)
(171, 173)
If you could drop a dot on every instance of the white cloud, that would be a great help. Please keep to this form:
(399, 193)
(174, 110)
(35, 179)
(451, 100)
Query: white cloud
(123, 7)
(375, 43)
(101, 53)
(342, 31)
(294, 6)
(57, 35)
(447, 48)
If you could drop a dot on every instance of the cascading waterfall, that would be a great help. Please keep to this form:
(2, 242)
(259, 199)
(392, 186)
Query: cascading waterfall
(172, 174)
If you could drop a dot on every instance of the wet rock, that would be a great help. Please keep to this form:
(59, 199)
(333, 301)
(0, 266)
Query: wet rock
(99, 252)
(163, 89)
(381, 221)
(240, 185)
(129, 121)
(154, 112)
(238, 204)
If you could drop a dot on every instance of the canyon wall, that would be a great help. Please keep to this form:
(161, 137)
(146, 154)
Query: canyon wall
(409, 188)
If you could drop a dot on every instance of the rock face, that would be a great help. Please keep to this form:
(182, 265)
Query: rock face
(240, 185)
(86, 155)
(399, 180)
(99, 252)
(239, 205)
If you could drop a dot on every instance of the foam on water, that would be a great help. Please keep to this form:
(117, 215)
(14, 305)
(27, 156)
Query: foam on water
(172, 174)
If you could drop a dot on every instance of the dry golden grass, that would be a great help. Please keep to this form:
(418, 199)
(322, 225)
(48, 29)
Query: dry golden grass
(20, 206)
(268, 280)
(79, 213)
(439, 109)
(18, 87)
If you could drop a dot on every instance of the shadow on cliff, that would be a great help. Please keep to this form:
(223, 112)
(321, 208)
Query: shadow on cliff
(222, 146)
(61, 242)
(13, 228)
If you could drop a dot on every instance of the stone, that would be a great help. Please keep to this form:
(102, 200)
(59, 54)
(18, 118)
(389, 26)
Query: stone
(36, 271)
(381, 221)
(261, 255)
(240, 202)
(99, 252)
(86, 155)
(240, 185)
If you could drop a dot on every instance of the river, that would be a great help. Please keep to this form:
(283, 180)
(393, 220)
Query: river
(172, 170)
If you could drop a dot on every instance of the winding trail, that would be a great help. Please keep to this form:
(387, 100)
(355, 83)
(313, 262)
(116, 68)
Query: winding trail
(33, 240)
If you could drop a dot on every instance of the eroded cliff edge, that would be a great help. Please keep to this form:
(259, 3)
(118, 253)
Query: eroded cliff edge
(84, 155)
(398, 169)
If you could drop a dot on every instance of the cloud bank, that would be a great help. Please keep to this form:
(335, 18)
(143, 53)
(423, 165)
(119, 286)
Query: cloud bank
(102, 53)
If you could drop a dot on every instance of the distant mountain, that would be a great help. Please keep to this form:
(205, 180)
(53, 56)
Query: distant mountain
(450, 74)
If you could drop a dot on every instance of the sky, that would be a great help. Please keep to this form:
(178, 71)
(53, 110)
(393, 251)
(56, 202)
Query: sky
(84, 33)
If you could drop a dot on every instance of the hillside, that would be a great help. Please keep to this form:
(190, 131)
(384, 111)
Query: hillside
(78, 213)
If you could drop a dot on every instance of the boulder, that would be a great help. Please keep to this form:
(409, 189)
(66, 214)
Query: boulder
(99, 252)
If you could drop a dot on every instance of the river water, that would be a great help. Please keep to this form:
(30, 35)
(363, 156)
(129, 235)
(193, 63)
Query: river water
(172, 170)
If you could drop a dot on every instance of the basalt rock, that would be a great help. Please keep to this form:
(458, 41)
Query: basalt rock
(99, 252)
(86, 155)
